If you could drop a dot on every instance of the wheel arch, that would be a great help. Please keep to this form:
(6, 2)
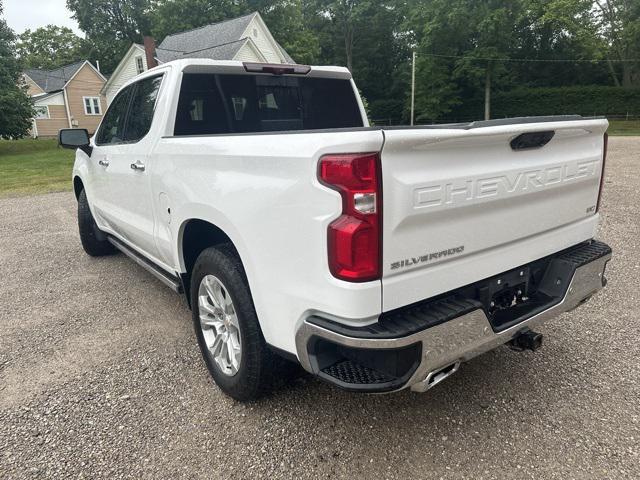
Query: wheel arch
(78, 186)
(194, 236)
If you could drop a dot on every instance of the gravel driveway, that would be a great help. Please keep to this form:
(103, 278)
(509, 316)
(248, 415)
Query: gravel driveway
(101, 377)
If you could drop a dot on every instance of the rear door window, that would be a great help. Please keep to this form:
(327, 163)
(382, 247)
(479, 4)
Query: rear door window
(142, 108)
(201, 109)
(220, 103)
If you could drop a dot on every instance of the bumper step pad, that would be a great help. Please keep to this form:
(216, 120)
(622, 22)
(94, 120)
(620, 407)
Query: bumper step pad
(350, 372)
(406, 321)
(586, 253)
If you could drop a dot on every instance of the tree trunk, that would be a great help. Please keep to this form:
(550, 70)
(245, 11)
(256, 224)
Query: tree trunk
(627, 69)
(613, 73)
(487, 93)
(348, 46)
(413, 86)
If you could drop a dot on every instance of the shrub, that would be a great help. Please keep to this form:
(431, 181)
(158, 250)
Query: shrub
(586, 101)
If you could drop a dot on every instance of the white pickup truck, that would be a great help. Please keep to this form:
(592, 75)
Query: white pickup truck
(377, 258)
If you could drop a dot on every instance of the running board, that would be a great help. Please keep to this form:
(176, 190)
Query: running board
(161, 274)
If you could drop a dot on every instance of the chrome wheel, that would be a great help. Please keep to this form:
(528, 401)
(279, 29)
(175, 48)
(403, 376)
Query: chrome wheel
(219, 324)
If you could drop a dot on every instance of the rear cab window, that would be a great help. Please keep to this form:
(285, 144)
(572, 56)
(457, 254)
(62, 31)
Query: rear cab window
(227, 103)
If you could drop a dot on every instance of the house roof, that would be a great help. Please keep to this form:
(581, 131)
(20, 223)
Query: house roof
(225, 51)
(218, 41)
(204, 37)
(56, 79)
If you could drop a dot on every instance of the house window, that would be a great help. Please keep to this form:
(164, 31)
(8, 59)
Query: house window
(42, 112)
(139, 65)
(92, 105)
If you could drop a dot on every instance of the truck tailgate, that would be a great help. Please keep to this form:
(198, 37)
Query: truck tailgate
(460, 205)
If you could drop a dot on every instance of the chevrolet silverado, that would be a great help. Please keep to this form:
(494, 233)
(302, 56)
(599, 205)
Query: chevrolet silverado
(378, 258)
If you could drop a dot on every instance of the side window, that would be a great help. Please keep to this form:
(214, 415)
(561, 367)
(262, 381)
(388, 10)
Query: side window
(200, 107)
(142, 108)
(112, 127)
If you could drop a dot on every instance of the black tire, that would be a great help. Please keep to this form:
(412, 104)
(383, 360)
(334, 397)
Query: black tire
(260, 369)
(94, 241)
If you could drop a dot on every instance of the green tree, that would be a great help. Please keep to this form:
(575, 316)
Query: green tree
(368, 37)
(459, 46)
(466, 48)
(619, 23)
(287, 20)
(50, 47)
(172, 16)
(560, 30)
(16, 109)
(381, 59)
(111, 26)
(119, 19)
(346, 16)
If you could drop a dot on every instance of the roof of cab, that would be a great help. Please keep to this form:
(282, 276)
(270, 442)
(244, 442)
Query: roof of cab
(204, 65)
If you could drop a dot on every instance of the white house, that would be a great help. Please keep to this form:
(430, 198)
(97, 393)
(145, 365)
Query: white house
(133, 63)
(245, 38)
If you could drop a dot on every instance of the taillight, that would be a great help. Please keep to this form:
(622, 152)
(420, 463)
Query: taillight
(354, 238)
(604, 158)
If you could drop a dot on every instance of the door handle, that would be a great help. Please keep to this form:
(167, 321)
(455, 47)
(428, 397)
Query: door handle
(103, 163)
(138, 166)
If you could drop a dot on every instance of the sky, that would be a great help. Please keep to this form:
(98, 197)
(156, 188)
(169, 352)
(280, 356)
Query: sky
(23, 14)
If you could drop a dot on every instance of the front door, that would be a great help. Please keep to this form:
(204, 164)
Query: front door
(108, 143)
(129, 167)
(123, 148)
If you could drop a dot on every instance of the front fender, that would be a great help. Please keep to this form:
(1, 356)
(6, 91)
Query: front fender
(81, 170)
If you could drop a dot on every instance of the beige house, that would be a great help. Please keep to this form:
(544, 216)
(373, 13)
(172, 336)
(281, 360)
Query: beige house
(67, 97)
(246, 38)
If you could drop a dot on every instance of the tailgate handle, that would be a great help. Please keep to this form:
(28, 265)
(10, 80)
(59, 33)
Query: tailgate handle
(526, 141)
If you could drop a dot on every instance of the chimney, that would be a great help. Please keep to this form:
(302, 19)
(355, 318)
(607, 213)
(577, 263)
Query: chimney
(150, 51)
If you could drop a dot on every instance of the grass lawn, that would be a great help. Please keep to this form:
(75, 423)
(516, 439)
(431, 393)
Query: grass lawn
(624, 127)
(31, 166)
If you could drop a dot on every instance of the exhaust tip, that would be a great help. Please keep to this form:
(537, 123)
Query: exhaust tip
(435, 377)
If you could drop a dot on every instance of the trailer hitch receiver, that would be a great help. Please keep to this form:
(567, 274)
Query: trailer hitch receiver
(526, 340)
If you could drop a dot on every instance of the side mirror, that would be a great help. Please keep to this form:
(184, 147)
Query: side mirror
(74, 138)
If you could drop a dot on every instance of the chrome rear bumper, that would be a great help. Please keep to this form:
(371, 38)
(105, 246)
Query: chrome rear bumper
(457, 340)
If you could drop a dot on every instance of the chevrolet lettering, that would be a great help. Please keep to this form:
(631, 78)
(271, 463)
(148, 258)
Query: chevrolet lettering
(505, 185)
